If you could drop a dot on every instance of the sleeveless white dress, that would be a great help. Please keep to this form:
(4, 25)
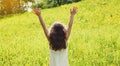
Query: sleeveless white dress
(59, 58)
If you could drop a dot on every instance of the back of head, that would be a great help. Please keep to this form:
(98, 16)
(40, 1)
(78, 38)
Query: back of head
(57, 37)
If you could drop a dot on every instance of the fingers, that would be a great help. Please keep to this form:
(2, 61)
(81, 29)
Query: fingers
(73, 10)
(36, 10)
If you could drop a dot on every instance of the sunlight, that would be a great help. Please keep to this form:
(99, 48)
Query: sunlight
(28, 6)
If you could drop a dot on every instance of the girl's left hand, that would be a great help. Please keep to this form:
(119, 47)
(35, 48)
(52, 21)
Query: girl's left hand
(37, 12)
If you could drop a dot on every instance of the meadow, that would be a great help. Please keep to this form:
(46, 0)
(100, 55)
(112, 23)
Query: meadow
(94, 39)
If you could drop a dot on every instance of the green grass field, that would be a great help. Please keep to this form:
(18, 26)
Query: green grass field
(94, 40)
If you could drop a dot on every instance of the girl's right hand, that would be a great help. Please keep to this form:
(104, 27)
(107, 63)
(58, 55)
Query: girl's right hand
(73, 11)
(37, 12)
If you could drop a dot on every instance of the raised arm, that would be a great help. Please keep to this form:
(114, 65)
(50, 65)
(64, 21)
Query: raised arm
(38, 13)
(72, 13)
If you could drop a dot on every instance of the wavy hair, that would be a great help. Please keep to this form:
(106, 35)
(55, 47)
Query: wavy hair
(57, 37)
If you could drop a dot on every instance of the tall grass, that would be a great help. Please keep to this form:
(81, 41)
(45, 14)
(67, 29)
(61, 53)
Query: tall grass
(94, 40)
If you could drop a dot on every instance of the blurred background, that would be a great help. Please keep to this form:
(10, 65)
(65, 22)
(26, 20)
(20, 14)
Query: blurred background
(20, 6)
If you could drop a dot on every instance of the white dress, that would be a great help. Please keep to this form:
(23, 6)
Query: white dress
(59, 58)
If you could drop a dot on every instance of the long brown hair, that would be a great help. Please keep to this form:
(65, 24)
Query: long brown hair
(57, 37)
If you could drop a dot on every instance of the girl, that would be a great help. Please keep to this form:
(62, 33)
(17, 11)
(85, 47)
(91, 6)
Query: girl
(57, 38)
